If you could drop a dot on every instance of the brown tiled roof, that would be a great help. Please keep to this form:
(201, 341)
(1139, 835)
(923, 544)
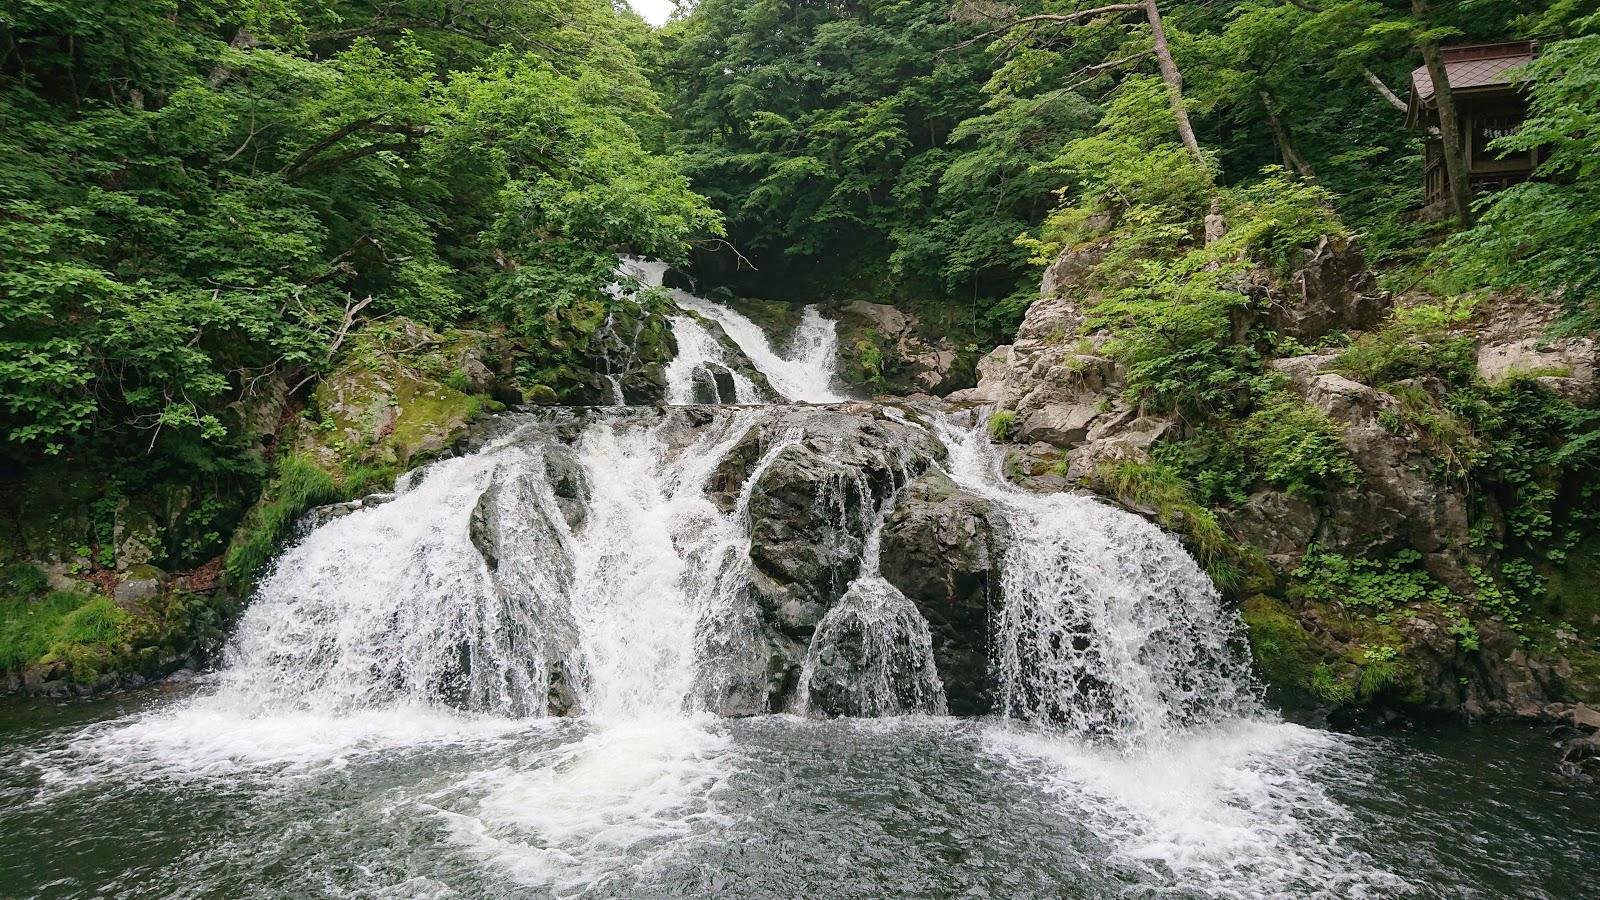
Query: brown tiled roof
(1479, 66)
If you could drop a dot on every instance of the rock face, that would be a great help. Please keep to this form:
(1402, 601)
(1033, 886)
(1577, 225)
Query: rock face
(1333, 290)
(890, 351)
(1062, 389)
(1515, 342)
(1060, 397)
(942, 548)
(821, 477)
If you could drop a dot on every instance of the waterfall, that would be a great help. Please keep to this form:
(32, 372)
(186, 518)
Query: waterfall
(395, 604)
(1106, 626)
(804, 373)
(700, 373)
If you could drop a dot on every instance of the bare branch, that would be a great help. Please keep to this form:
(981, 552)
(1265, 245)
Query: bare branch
(1383, 89)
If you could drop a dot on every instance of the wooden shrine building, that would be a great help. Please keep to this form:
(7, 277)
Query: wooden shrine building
(1489, 106)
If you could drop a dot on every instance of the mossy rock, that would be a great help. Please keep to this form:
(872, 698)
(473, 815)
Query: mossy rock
(1286, 655)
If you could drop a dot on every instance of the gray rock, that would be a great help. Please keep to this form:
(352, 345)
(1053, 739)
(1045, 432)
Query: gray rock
(1516, 342)
(1058, 424)
(909, 360)
(140, 582)
(943, 549)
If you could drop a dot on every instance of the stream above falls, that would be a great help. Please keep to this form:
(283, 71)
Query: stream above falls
(657, 652)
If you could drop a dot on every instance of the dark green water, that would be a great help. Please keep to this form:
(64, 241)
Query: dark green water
(147, 797)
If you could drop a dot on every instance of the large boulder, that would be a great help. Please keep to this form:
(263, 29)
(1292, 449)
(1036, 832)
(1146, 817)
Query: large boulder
(821, 477)
(1400, 500)
(942, 548)
(814, 481)
(1516, 341)
(1332, 290)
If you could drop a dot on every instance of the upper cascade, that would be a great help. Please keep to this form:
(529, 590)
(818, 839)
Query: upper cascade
(804, 372)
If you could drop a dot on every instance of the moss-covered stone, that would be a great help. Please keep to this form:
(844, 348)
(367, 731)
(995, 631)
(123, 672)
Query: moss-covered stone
(1286, 655)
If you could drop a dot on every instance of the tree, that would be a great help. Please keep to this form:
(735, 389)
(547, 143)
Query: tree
(1170, 74)
(1455, 152)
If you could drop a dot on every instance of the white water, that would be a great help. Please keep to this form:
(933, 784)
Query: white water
(700, 355)
(881, 640)
(1126, 692)
(805, 373)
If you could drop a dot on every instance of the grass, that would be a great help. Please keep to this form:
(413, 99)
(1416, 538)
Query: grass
(1160, 487)
(1001, 423)
(297, 486)
(62, 625)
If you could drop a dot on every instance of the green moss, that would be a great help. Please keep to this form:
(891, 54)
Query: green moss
(1572, 589)
(431, 417)
(1286, 655)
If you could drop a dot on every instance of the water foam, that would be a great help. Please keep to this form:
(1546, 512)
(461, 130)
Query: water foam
(1231, 810)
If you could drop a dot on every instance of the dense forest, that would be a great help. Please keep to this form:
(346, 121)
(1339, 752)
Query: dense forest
(204, 203)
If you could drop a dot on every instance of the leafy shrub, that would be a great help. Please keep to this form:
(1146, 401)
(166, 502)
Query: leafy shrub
(22, 579)
(1296, 447)
(1377, 585)
(1416, 341)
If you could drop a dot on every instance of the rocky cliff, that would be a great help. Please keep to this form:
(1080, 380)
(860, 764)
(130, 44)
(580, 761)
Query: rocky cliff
(1404, 508)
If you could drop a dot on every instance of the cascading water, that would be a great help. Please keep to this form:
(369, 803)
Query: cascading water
(517, 663)
(700, 373)
(872, 654)
(805, 374)
(1107, 627)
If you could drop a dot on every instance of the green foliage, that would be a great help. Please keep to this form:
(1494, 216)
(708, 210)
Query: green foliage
(60, 626)
(1161, 488)
(22, 579)
(1417, 340)
(1369, 584)
(1330, 687)
(185, 218)
(1296, 447)
(298, 485)
(1000, 424)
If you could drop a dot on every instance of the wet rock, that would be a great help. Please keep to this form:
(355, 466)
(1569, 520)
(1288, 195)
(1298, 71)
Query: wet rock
(816, 477)
(872, 656)
(943, 548)
(678, 280)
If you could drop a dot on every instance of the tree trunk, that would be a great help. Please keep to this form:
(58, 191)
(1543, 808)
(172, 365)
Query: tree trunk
(1292, 160)
(1455, 155)
(1174, 80)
